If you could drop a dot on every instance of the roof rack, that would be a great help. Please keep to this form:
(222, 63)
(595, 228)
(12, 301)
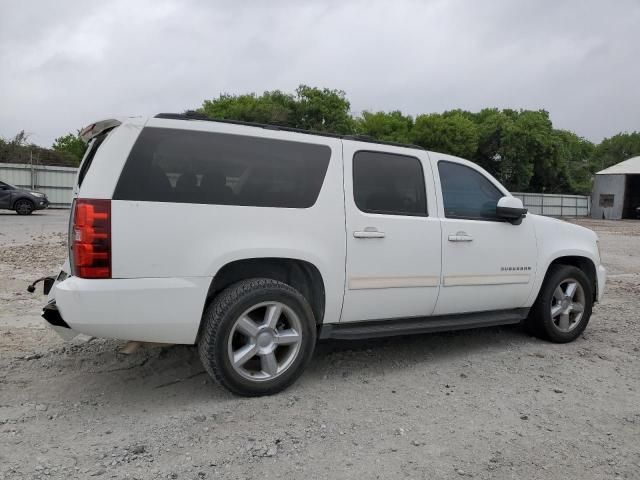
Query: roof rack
(193, 115)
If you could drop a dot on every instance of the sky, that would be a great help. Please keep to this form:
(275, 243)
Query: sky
(66, 64)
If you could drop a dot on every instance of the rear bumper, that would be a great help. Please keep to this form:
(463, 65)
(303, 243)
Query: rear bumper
(165, 310)
(602, 279)
(52, 315)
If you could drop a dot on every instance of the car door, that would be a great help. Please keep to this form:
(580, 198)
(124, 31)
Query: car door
(393, 233)
(5, 195)
(487, 264)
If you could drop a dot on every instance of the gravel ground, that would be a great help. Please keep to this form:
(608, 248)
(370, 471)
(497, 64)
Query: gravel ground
(492, 403)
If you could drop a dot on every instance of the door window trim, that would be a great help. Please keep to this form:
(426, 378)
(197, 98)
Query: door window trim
(374, 212)
(461, 217)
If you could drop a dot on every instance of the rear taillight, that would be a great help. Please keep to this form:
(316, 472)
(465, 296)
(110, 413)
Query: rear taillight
(90, 239)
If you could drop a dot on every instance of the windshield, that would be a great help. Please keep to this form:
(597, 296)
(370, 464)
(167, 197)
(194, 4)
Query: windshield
(7, 185)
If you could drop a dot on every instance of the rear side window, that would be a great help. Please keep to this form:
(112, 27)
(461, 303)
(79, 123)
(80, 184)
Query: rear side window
(467, 193)
(93, 148)
(184, 166)
(387, 183)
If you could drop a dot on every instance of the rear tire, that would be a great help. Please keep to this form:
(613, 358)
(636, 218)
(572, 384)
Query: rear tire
(563, 307)
(24, 207)
(257, 337)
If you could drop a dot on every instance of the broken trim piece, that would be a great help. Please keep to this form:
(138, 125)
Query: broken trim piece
(95, 129)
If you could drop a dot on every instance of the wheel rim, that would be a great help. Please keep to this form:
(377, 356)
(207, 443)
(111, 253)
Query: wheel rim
(567, 305)
(264, 341)
(23, 207)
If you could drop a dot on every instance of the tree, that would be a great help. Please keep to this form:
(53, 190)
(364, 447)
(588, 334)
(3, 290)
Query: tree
(388, 127)
(273, 107)
(323, 110)
(310, 108)
(576, 152)
(71, 145)
(519, 147)
(616, 149)
(491, 123)
(453, 133)
(527, 153)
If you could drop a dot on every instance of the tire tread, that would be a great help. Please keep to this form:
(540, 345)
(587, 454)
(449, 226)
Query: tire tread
(212, 323)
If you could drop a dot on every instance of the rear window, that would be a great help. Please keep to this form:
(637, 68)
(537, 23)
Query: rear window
(184, 166)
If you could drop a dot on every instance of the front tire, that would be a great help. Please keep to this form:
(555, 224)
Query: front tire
(24, 207)
(563, 307)
(257, 337)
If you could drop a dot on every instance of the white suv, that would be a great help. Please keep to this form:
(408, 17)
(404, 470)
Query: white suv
(253, 241)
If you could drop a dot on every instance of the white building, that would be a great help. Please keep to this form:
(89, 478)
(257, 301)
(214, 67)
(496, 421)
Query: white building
(616, 191)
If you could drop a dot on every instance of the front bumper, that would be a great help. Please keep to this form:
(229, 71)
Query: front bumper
(602, 279)
(41, 203)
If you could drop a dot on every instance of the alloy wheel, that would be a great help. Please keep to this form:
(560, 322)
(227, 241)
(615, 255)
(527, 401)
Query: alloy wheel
(567, 305)
(264, 341)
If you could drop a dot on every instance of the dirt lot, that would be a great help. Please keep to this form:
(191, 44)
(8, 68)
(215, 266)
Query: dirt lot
(493, 403)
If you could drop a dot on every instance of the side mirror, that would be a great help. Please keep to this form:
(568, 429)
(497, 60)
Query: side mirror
(511, 209)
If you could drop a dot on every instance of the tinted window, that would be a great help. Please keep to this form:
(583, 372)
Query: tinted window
(467, 193)
(93, 148)
(388, 183)
(170, 165)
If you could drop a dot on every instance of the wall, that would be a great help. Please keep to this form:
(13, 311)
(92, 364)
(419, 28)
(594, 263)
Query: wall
(555, 205)
(56, 182)
(612, 185)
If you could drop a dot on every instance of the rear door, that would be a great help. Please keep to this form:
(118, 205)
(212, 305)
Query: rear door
(393, 233)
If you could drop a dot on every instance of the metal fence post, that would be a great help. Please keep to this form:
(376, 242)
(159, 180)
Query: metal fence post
(31, 174)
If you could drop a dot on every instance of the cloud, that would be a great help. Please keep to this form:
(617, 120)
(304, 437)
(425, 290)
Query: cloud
(65, 64)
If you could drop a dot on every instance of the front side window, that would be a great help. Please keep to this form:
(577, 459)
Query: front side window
(386, 183)
(185, 166)
(467, 193)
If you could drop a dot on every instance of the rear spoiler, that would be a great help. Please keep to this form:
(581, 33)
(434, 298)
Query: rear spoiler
(95, 129)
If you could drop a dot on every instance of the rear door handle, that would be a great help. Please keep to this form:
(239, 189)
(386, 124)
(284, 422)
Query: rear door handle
(460, 237)
(368, 232)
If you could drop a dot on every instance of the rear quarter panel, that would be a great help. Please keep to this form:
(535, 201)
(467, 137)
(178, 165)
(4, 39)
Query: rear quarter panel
(155, 239)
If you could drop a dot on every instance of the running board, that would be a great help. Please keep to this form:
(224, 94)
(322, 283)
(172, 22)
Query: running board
(414, 325)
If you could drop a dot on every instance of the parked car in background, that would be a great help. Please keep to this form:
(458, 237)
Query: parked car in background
(24, 202)
(253, 241)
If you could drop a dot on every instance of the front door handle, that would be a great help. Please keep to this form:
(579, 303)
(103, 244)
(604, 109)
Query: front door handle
(368, 232)
(460, 237)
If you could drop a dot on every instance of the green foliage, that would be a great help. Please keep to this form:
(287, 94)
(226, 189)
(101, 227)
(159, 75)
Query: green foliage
(310, 108)
(323, 110)
(616, 149)
(271, 107)
(576, 153)
(388, 127)
(453, 133)
(20, 150)
(519, 147)
(71, 145)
